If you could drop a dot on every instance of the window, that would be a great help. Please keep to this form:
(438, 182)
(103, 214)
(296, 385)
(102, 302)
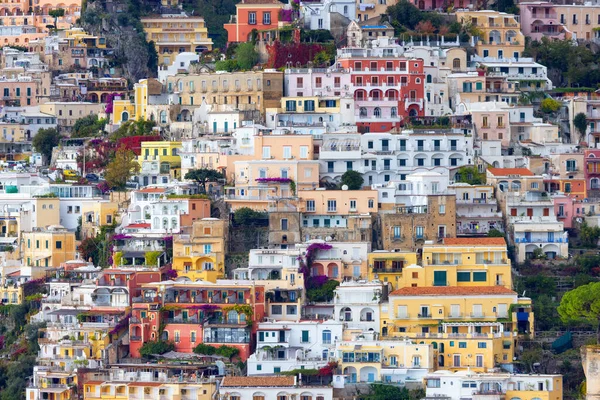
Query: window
(266, 152)
(462, 345)
(481, 345)
(252, 18)
(58, 244)
(480, 276)
(571, 165)
(419, 232)
(284, 224)
(267, 18)
(371, 203)
(397, 231)
(331, 205)
(287, 152)
(207, 248)
(310, 205)
(303, 151)
(327, 337)
(463, 276)
(442, 209)
(305, 337)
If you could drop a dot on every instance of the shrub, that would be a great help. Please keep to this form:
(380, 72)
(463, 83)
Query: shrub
(156, 347)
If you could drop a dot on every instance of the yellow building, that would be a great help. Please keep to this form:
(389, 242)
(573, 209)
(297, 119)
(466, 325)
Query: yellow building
(165, 153)
(460, 301)
(81, 38)
(96, 215)
(499, 33)
(127, 110)
(48, 247)
(201, 255)
(174, 34)
(51, 383)
(470, 327)
(383, 360)
(387, 266)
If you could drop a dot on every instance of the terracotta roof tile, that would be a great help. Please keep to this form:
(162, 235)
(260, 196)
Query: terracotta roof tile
(143, 225)
(475, 241)
(258, 381)
(452, 291)
(261, 2)
(152, 190)
(142, 384)
(510, 171)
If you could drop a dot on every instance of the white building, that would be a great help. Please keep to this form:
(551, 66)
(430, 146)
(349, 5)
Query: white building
(322, 14)
(287, 345)
(275, 387)
(525, 73)
(467, 385)
(540, 233)
(477, 209)
(358, 305)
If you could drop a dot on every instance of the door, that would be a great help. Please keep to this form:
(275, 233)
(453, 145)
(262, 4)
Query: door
(370, 377)
(215, 127)
(402, 312)
(456, 360)
(226, 126)
(477, 310)
(479, 360)
(281, 336)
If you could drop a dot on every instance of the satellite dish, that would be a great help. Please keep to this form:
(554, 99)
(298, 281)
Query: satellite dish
(345, 187)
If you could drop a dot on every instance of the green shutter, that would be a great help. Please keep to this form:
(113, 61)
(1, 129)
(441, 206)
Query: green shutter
(261, 336)
(462, 276)
(304, 336)
(439, 278)
(480, 276)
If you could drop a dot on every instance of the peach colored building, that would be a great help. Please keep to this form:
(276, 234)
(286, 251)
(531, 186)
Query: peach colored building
(260, 15)
(337, 202)
(21, 88)
(281, 164)
(491, 120)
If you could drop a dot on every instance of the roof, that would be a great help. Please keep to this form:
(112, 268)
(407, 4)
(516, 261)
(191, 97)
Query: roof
(261, 2)
(475, 241)
(93, 382)
(142, 225)
(145, 384)
(152, 190)
(452, 291)
(258, 381)
(510, 171)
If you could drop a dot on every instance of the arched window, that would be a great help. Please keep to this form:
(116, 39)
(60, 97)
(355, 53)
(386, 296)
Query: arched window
(165, 223)
(377, 112)
(515, 185)
(163, 117)
(363, 112)
(232, 316)
(456, 63)
(394, 112)
(345, 10)
(124, 116)
(429, 79)
(174, 223)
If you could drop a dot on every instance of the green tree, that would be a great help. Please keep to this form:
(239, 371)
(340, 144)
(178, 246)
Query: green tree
(120, 169)
(582, 305)
(495, 233)
(139, 127)
(202, 176)
(323, 293)
(227, 65)
(580, 121)
(353, 180)
(470, 175)
(205, 349)
(88, 126)
(227, 351)
(59, 12)
(246, 56)
(549, 105)
(152, 56)
(89, 249)
(387, 392)
(247, 217)
(589, 235)
(45, 140)
(156, 347)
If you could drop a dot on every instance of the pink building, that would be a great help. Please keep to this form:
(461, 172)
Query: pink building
(491, 120)
(18, 92)
(567, 209)
(539, 19)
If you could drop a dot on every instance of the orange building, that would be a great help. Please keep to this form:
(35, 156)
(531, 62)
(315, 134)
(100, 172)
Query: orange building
(190, 313)
(262, 15)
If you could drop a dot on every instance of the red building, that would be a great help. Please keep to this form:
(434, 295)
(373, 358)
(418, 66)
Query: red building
(262, 15)
(190, 313)
(386, 89)
(592, 172)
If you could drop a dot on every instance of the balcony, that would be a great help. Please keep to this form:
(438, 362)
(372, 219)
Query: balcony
(425, 315)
